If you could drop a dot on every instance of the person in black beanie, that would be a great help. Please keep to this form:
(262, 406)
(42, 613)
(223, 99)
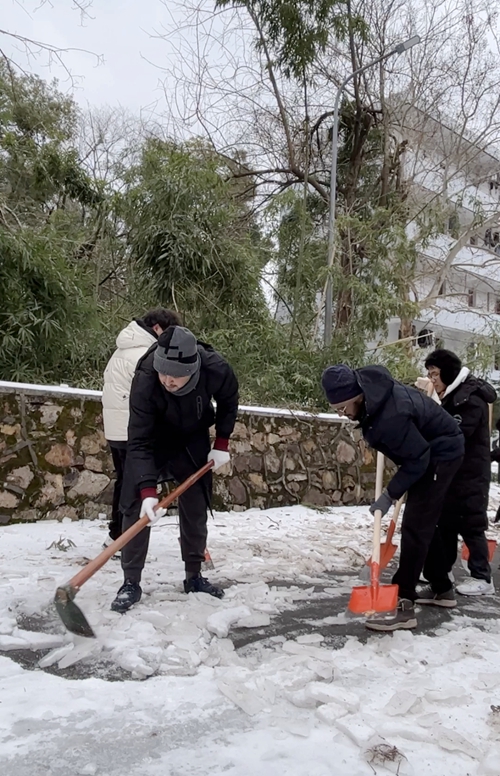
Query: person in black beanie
(171, 413)
(466, 398)
(427, 446)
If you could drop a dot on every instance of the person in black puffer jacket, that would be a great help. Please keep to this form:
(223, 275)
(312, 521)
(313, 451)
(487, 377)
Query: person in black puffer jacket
(171, 413)
(495, 456)
(427, 446)
(466, 398)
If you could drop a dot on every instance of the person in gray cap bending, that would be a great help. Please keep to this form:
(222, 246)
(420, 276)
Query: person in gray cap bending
(171, 412)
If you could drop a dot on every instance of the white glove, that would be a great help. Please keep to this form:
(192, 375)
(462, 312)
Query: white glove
(219, 457)
(148, 508)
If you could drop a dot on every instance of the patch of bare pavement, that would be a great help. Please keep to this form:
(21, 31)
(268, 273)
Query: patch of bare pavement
(324, 612)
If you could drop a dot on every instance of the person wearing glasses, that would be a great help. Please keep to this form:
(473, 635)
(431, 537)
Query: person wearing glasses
(427, 446)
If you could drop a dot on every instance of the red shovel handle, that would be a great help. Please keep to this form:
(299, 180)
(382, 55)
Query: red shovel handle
(94, 565)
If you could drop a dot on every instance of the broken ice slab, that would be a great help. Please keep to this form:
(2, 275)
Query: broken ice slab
(401, 703)
(220, 622)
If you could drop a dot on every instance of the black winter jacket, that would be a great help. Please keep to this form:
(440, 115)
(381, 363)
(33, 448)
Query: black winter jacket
(162, 424)
(406, 426)
(468, 404)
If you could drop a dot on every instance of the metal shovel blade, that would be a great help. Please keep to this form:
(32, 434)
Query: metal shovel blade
(71, 614)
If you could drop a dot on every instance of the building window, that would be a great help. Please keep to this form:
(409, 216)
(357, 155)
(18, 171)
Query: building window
(471, 297)
(425, 338)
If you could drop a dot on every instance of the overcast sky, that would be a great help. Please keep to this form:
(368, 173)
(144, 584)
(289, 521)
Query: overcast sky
(119, 31)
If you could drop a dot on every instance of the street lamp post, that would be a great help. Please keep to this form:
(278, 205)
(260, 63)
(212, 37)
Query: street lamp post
(399, 49)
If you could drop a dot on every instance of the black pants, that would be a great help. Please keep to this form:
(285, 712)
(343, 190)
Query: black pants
(452, 525)
(419, 538)
(192, 512)
(119, 455)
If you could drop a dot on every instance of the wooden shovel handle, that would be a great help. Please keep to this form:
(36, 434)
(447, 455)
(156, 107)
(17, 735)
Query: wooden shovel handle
(94, 565)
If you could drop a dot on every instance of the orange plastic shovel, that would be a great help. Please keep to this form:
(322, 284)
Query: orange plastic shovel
(492, 546)
(373, 598)
(387, 548)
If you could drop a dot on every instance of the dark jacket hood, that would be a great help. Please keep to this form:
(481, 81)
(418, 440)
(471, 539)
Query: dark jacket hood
(473, 385)
(376, 383)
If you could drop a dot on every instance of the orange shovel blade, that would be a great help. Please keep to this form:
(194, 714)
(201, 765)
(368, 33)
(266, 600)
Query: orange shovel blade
(369, 600)
(492, 546)
(387, 552)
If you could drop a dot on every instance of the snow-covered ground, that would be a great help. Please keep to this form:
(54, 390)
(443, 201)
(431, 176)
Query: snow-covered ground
(405, 703)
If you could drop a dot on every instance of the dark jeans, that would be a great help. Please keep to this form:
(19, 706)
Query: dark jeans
(419, 538)
(119, 455)
(192, 512)
(452, 525)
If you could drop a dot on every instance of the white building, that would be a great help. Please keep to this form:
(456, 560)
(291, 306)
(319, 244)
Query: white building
(451, 176)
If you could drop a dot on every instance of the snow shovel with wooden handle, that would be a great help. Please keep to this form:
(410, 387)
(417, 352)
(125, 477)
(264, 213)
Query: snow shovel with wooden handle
(64, 600)
(387, 548)
(373, 598)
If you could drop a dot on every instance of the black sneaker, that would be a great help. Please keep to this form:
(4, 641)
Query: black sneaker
(128, 595)
(199, 584)
(403, 619)
(428, 597)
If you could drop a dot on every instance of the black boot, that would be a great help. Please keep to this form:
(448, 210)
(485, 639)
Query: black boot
(198, 584)
(128, 595)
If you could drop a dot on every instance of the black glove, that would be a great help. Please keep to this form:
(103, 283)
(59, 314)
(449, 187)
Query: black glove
(382, 504)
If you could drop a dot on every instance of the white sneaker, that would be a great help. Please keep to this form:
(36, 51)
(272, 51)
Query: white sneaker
(474, 586)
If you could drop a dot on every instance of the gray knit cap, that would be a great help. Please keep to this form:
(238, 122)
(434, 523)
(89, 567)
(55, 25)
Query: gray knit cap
(177, 353)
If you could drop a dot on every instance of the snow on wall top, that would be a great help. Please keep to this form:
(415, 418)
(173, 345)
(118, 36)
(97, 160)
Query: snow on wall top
(84, 393)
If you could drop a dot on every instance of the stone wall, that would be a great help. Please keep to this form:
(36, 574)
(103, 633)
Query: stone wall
(54, 461)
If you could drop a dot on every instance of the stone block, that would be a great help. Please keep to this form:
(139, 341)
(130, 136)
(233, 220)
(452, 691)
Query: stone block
(22, 477)
(93, 464)
(8, 500)
(93, 510)
(26, 516)
(255, 463)
(240, 431)
(60, 455)
(237, 491)
(61, 512)
(5, 519)
(329, 480)
(273, 439)
(345, 453)
(52, 492)
(49, 414)
(257, 481)
(272, 463)
(317, 498)
(89, 485)
(10, 430)
(93, 443)
(259, 441)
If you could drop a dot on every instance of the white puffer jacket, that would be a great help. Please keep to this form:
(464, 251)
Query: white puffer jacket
(132, 343)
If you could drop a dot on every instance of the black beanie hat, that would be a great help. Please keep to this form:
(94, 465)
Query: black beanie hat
(340, 384)
(448, 364)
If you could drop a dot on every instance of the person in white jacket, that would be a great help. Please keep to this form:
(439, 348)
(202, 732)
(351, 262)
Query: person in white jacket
(132, 343)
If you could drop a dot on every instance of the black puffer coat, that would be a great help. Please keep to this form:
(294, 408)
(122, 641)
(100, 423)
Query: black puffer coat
(406, 426)
(162, 424)
(468, 403)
